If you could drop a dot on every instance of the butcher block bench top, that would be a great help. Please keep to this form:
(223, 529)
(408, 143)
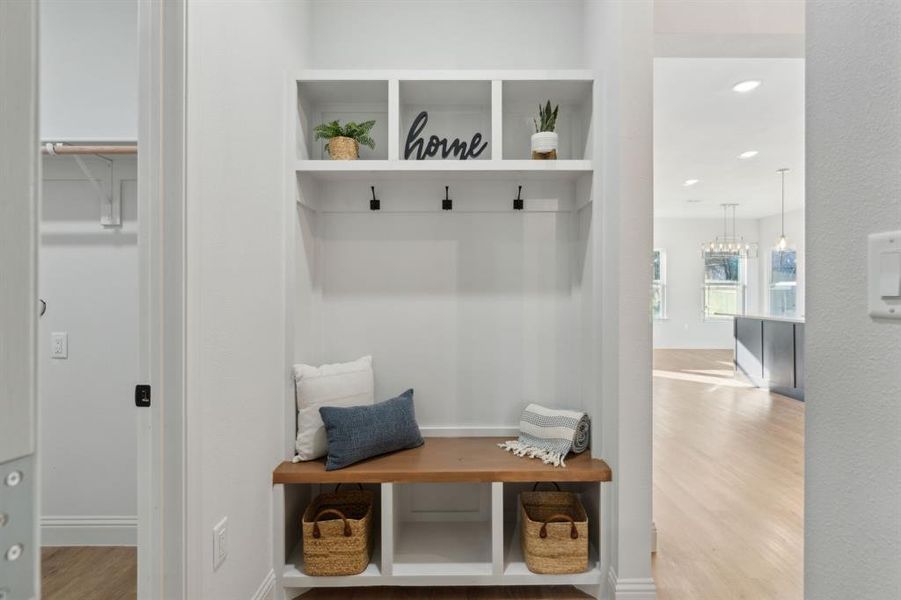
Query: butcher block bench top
(448, 459)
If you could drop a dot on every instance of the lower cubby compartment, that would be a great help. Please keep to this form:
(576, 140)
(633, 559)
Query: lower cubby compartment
(515, 570)
(293, 575)
(443, 548)
(517, 573)
(297, 498)
(442, 529)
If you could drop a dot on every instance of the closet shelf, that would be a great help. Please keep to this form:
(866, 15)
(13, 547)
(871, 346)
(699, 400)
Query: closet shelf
(439, 460)
(386, 169)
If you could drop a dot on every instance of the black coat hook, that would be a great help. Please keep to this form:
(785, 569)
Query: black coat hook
(375, 203)
(447, 203)
(518, 202)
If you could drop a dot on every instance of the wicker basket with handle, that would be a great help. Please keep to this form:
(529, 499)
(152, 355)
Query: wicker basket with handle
(554, 532)
(343, 148)
(337, 533)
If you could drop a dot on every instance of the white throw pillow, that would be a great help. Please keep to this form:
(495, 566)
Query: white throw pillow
(340, 384)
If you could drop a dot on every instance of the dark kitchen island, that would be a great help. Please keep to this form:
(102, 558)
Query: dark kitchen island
(770, 351)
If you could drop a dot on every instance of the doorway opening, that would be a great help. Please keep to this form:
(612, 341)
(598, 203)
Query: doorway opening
(91, 279)
(728, 309)
(88, 366)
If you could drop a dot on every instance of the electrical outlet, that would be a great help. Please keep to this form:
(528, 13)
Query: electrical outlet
(59, 344)
(220, 543)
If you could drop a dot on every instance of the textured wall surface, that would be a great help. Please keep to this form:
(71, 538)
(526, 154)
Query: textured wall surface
(238, 54)
(853, 438)
(619, 47)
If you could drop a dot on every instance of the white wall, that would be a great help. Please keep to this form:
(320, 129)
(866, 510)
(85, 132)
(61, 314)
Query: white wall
(89, 70)
(618, 38)
(493, 291)
(769, 230)
(239, 54)
(853, 389)
(447, 34)
(685, 326)
(89, 278)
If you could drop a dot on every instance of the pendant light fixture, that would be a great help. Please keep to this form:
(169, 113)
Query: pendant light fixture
(730, 243)
(782, 244)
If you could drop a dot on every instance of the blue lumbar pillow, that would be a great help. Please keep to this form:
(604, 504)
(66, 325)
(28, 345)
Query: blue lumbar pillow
(356, 433)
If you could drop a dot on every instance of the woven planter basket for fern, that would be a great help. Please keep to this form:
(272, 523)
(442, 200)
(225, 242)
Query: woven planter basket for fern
(337, 533)
(343, 148)
(554, 532)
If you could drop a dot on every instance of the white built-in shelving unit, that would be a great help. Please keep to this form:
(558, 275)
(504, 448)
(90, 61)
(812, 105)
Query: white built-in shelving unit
(499, 105)
(450, 548)
(480, 308)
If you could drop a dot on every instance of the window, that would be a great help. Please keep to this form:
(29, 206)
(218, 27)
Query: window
(658, 286)
(724, 290)
(783, 281)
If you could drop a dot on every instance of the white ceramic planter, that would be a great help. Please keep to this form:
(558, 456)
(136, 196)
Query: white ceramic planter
(544, 142)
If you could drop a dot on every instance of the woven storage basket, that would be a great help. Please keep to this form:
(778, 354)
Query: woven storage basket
(343, 148)
(554, 532)
(337, 533)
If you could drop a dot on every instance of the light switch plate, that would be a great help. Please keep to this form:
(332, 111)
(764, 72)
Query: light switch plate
(220, 542)
(883, 276)
(59, 344)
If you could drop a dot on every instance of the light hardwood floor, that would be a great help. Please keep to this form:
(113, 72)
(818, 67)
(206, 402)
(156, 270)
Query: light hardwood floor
(728, 501)
(728, 483)
(89, 573)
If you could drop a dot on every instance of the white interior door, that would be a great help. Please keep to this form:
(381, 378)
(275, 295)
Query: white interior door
(19, 171)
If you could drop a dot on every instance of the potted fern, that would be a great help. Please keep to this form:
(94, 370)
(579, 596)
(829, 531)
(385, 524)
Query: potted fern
(344, 140)
(544, 140)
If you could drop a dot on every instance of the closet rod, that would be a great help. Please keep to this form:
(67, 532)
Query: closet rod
(67, 149)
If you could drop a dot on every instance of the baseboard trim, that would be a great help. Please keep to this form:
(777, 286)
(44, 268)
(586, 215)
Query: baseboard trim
(89, 531)
(498, 431)
(266, 591)
(630, 589)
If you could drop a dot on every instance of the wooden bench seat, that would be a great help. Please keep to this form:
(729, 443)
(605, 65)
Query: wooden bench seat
(461, 459)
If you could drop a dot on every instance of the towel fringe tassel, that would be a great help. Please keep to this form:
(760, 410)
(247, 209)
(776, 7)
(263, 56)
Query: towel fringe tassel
(520, 449)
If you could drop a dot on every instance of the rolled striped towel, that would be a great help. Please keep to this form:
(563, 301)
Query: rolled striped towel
(550, 434)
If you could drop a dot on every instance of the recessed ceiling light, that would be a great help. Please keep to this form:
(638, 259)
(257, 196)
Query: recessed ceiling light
(690, 182)
(746, 86)
(748, 154)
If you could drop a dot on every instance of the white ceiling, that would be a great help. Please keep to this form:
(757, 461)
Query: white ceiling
(701, 126)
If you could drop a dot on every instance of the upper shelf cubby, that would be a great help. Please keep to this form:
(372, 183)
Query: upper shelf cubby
(520, 105)
(323, 101)
(427, 121)
(445, 120)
